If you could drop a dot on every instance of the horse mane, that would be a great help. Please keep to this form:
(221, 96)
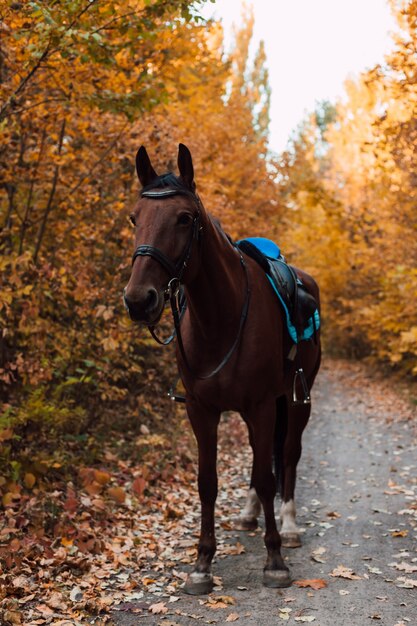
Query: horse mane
(220, 228)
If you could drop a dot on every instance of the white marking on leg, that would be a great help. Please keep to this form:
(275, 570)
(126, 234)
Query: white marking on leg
(287, 515)
(252, 507)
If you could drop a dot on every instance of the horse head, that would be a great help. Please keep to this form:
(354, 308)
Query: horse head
(167, 221)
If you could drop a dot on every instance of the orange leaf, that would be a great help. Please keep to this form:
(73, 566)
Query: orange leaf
(139, 485)
(314, 583)
(117, 494)
(101, 477)
(67, 543)
(5, 434)
(93, 489)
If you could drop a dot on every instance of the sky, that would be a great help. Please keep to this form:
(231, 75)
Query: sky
(312, 46)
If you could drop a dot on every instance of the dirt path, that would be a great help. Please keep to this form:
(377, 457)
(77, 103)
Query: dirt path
(357, 501)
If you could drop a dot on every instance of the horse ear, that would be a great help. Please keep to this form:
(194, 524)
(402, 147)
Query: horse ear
(144, 169)
(185, 166)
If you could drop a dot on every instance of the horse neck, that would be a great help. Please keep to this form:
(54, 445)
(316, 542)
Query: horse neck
(216, 295)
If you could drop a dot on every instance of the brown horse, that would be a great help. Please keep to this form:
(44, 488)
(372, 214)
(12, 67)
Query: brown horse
(232, 348)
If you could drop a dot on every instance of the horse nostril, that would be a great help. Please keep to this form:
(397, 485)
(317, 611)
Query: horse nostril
(151, 299)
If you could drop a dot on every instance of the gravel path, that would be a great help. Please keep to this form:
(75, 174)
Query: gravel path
(357, 503)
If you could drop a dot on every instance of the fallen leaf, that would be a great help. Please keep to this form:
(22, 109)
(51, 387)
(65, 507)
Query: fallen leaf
(138, 486)
(158, 608)
(407, 583)
(233, 617)
(101, 477)
(344, 572)
(67, 543)
(56, 601)
(314, 583)
(305, 618)
(317, 554)
(117, 494)
(404, 567)
(333, 515)
(399, 533)
(225, 599)
(29, 480)
(21, 582)
(13, 617)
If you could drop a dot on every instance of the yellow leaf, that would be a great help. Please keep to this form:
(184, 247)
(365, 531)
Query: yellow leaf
(8, 498)
(29, 480)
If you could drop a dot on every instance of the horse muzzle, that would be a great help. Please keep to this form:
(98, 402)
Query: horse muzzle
(145, 305)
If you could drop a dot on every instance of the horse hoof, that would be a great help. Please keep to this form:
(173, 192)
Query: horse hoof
(246, 523)
(277, 578)
(198, 583)
(290, 540)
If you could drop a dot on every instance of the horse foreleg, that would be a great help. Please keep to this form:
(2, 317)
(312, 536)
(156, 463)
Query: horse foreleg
(297, 420)
(276, 573)
(204, 424)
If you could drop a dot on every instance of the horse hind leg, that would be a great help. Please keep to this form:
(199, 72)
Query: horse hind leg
(298, 416)
(276, 573)
(248, 519)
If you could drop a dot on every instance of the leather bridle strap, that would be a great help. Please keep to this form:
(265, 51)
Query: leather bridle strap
(176, 314)
(146, 250)
(173, 289)
(175, 270)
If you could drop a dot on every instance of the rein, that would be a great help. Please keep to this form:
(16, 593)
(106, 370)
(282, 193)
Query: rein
(176, 314)
(173, 291)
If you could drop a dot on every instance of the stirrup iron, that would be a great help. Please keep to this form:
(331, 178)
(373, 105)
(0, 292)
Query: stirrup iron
(307, 399)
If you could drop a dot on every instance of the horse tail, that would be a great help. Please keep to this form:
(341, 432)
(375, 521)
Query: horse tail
(281, 426)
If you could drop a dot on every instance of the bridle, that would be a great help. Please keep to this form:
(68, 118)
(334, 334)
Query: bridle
(173, 292)
(175, 270)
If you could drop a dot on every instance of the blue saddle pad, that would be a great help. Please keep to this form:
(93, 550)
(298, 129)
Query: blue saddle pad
(266, 246)
(285, 284)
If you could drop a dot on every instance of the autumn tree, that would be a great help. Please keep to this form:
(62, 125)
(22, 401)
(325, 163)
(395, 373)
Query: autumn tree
(83, 85)
(351, 188)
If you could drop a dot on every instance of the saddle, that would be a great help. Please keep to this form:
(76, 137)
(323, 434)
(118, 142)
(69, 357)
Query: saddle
(299, 305)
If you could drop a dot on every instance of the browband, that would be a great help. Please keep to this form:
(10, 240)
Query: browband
(163, 193)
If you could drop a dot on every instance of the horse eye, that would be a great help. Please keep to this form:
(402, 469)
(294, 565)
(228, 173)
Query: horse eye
(184, 219)
(132, 220)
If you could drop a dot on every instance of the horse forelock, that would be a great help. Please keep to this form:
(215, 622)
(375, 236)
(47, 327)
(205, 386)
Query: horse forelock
(168, 180)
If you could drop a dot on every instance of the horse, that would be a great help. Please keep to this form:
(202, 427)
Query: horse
(231, 349)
